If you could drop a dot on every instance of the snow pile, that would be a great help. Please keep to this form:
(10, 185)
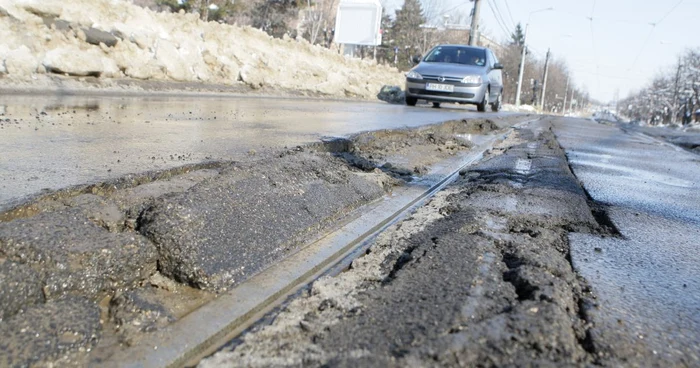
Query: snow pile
(521, 108)
(692, 127)
(45, 37)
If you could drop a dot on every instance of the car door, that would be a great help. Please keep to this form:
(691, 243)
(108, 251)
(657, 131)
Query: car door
(495, 76)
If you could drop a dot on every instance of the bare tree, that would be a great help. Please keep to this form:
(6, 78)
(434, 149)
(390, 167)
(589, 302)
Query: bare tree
(200, 7)
(319, 18)
(671, 97)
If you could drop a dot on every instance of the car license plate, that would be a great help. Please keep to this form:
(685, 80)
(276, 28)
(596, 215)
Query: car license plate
(439, 87)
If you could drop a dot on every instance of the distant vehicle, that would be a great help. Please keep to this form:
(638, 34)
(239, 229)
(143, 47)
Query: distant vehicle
(459, 74)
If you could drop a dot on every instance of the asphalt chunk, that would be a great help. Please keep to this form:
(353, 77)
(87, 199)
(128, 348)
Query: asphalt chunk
(138, 311)
(403, 152)
(21, 288)
(59, 332)
(74, 255)
(147, 249)
(479, 277)
(221, 231)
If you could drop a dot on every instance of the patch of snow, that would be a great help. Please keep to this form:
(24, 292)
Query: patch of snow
(522, 108)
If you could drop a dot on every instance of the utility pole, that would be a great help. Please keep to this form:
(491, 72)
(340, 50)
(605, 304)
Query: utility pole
(522, 67)
(544, 81)
(534, 92)
(522, 59)
(566, 94)
(571, 103)
(675, 91)
(474, 30)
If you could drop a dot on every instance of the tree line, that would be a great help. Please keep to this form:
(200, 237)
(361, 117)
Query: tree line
(671, 98)
(562, 94)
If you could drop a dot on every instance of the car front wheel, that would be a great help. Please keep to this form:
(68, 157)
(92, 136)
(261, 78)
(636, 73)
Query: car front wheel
(481, 107)
(496, 106)
(411, 101)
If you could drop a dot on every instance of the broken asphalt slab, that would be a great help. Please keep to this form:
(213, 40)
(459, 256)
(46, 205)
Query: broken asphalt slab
(145, 250)
(482, 275)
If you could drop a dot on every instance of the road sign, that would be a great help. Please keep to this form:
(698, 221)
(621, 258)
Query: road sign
(358, 22)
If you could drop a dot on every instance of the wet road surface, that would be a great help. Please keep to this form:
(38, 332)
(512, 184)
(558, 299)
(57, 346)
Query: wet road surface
(53, 142)
(140, 255)
(647, 279)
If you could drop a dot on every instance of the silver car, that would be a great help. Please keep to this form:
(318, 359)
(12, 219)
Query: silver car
(457, 73)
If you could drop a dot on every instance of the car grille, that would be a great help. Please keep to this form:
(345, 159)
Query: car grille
(449, 80)
(418, 91)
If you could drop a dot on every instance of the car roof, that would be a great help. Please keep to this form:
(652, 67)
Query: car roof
(460, 45)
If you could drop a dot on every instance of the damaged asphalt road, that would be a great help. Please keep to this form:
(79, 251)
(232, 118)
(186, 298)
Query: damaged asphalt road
(480, 276)
(483, 274)
(106, 264)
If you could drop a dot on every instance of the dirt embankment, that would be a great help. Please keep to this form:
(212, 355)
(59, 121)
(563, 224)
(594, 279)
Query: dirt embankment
(91, 269)
(116, 45)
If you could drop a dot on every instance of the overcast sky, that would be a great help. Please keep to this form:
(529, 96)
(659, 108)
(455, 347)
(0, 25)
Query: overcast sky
(620, 49)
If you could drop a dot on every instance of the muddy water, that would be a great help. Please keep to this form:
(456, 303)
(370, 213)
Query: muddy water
(53, 142)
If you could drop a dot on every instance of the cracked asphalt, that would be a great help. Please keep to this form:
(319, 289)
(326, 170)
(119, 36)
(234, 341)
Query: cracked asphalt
(487, 282)
(130, 256)
(519, 263)
(571, 243)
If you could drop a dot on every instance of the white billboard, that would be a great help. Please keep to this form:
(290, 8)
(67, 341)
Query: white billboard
(358, 22)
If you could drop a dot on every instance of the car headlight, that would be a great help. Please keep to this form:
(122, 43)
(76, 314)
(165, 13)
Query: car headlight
(472, 79)
(413, 75)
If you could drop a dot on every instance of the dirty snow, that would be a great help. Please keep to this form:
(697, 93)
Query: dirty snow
(47, 43)
(521, 108)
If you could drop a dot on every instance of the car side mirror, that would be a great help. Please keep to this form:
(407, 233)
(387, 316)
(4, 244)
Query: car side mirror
(498, 66)
(416, 59)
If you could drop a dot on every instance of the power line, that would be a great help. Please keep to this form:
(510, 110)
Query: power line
(512, 20)
(610, 76)
(498, 21)
(603, 19)
(636, 58)
(500, 15)
(454, 8)
(503, 27)
(503, 18)
(653, 28)
(669, 13)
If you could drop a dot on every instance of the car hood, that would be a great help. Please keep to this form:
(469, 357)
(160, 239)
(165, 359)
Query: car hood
(449, 69)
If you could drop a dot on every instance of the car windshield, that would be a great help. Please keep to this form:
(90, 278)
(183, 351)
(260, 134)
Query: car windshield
(457, 55)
